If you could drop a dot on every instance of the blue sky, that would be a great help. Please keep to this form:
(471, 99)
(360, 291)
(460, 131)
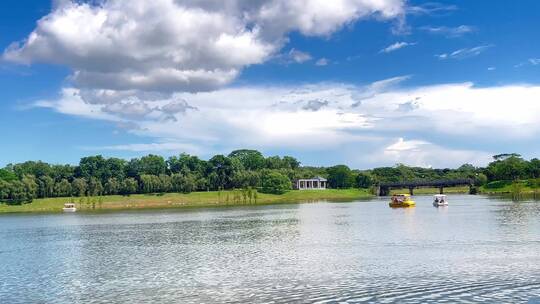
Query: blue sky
(365, 83)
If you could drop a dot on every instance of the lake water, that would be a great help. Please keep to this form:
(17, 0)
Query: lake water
(476, 250)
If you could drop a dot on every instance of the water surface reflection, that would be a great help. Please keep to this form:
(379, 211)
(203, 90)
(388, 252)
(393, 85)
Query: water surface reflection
(477, 249)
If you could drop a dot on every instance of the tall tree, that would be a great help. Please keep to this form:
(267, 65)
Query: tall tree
(62, 188)
(95, 187)
(221, 169)
(79, 186)
(45, 186)
(112, 186)
(30, 187)
(92, 166)
(249, 159)
(152, 164)
(129, 186)
(340, 176)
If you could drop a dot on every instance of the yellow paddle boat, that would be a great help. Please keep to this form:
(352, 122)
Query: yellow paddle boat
(401, 200)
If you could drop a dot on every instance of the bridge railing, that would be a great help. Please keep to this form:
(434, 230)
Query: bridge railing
(421, 183)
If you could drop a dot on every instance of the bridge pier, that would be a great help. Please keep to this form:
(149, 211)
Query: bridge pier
(411, 191)
(441, 191)
(383, 191)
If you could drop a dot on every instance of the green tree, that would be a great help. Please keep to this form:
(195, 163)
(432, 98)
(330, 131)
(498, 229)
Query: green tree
(363, 180)
(30, 187)
(153, 164)
(221, 169)
(79, 187)
(386, 174)
(7, 175)
(129, 186)
(480, 179)
(186, 163)
(36, 169)
(245, 179)
(92, 166)
(249, 159)
(533, 168)
(150, 183)
(291, 162)
(165, 183)
(509, 168)
(62, 188)
(45, 186)
(112, 186)
(183, 183)
(115, 168)
(59, 172)
(4, 190)
(18, 192)
(340, 177)
(275, 183)
(95, 188)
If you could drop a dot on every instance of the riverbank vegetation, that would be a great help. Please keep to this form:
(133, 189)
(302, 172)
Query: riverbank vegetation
(245, 170)
(181, 200)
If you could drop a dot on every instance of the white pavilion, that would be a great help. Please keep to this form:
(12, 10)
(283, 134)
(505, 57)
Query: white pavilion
(316, 183)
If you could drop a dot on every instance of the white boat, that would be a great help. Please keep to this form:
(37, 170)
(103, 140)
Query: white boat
(69, 207)
(440, 200)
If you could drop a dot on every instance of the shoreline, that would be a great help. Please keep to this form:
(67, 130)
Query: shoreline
(229, 198)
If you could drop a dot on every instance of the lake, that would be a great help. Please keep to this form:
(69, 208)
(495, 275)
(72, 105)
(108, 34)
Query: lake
(478, 249)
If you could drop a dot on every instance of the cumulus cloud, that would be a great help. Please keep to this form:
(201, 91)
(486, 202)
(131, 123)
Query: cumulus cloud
(341, 118)
(315, 105)
(457, 31)
(189, 46)
(396, 46)
(464, 53)
(425, 154)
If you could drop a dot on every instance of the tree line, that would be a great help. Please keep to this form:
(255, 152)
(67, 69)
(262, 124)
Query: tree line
(241, 169)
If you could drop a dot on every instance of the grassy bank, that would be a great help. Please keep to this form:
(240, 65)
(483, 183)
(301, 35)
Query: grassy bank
(178, 200)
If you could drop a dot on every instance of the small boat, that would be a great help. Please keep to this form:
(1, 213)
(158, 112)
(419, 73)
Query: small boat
(440, 200)
(69, 207)
(401, 200)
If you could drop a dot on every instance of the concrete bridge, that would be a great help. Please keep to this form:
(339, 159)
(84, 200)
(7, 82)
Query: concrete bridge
(383, 189)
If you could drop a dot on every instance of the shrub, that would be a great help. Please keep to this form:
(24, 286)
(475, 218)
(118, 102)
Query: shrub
(275, 183)
(497, 184)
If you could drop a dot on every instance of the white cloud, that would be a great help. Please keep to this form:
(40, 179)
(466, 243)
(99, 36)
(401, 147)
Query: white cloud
(491, 68)
(534, 61)
(322, 62)
(449, 31)
(396, 46)
(295, 56)
(169, 45)
(424, 154)
(464, 53)
(152, 147)
(431, 8)
(337, 119)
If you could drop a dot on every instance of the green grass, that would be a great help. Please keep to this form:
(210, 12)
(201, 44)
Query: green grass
(507, 189)
(178, 200)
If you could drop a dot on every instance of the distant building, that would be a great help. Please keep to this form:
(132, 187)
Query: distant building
(316, 183)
